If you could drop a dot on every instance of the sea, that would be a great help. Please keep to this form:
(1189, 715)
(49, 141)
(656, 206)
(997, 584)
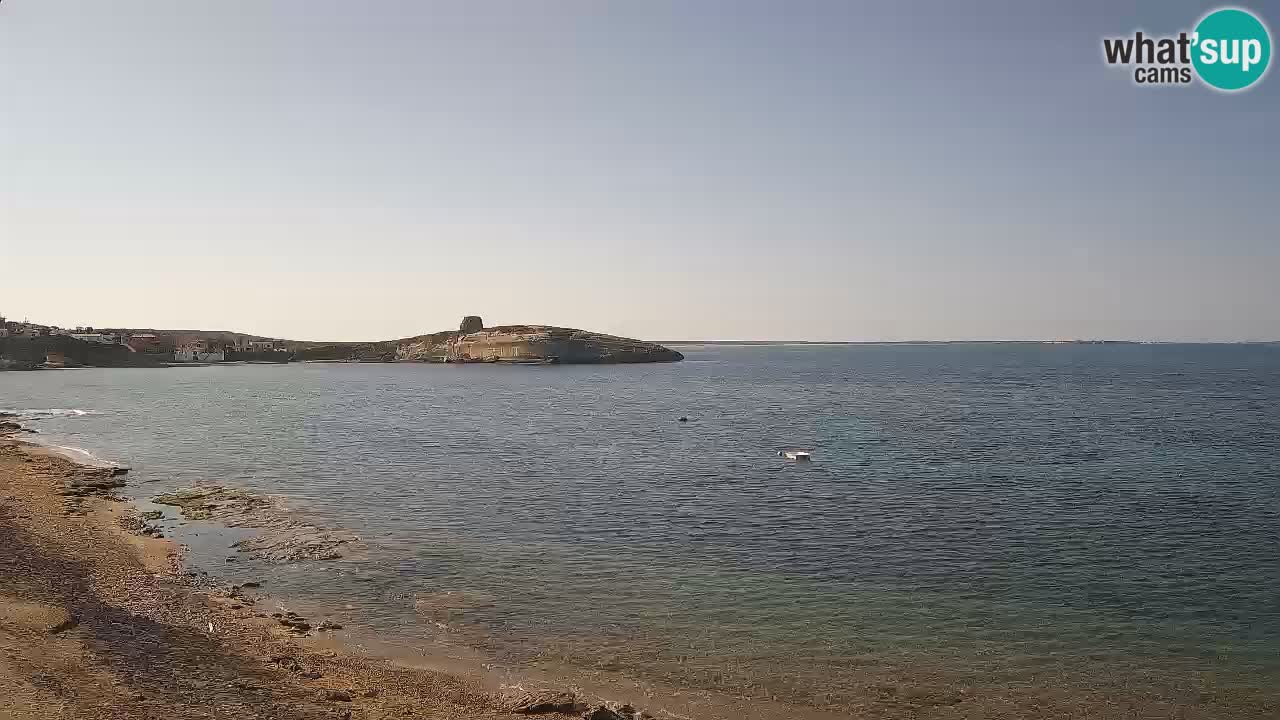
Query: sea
(984, 530)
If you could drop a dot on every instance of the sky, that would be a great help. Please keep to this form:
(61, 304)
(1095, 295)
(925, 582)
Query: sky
(684, 169)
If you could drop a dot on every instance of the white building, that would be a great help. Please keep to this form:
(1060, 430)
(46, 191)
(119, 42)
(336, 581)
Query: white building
(198, 351)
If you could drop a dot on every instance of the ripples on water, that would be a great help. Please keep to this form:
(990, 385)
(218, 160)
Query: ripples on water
(992, 517)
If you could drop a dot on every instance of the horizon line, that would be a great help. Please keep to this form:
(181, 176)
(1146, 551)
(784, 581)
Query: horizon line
(734, 341)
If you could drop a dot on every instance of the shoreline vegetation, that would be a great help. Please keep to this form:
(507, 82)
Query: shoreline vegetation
(99, 619)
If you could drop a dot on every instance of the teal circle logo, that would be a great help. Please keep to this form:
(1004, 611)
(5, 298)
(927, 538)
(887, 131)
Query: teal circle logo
(1232, 49)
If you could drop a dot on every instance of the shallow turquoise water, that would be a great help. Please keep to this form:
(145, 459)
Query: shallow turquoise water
(992, 517)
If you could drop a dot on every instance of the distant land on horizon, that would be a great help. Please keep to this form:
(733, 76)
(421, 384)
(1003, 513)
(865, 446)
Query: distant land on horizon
(1081, 341)
(24, 343)
(225, 335)
(232, 335)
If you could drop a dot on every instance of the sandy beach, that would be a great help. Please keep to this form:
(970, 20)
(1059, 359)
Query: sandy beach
(97, 621)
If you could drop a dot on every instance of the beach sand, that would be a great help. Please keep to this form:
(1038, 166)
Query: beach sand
(99, 622)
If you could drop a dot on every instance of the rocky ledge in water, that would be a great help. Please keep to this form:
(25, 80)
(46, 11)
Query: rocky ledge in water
(567, 702)
(284, 538)
(8, 427)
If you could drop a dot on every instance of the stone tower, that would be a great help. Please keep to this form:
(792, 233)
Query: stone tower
(470, 324)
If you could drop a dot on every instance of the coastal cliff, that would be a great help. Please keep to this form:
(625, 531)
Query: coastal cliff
(530, 344)
(472, 342)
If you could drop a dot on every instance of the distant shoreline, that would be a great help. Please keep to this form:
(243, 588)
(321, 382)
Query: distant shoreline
(687, 343)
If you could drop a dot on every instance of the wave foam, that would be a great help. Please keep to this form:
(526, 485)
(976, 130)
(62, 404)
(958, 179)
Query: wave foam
(54, 412)
(79, 455)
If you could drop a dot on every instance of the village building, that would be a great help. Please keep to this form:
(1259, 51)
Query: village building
(198, 351)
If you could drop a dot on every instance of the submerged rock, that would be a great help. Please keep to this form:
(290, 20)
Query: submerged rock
(604, 712)
(295, 544)
(449, 603)
(295, 624)
(284, 538)
(205, 503)
(540, 702)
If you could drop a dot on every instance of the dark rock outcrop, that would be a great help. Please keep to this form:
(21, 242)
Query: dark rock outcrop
(284, 538)
(604, 712)
(7, 427)
(546, 702)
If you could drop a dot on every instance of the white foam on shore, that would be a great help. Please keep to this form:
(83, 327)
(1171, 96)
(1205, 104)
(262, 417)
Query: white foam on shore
(54, 412)
(71, 452)
(77, 455)
(80, 455)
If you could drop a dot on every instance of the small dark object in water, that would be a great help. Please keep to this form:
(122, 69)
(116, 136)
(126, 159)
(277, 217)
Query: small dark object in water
(683, 419)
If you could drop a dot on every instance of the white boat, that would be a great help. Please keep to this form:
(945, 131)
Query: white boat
(797, 455)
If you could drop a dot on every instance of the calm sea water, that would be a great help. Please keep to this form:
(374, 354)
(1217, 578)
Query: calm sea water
(1040, 528)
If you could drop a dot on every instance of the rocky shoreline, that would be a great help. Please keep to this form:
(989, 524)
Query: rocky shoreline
(99, 618)
(281, 538)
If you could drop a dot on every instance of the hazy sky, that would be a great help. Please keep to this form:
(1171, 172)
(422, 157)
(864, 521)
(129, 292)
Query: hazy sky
(736, 170)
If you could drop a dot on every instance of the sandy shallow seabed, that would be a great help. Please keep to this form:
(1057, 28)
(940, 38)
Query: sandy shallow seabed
(99, 621)
(96, 622)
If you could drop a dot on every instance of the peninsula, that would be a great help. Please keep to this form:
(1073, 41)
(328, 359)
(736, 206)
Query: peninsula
(31, 346)
(472, 342)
